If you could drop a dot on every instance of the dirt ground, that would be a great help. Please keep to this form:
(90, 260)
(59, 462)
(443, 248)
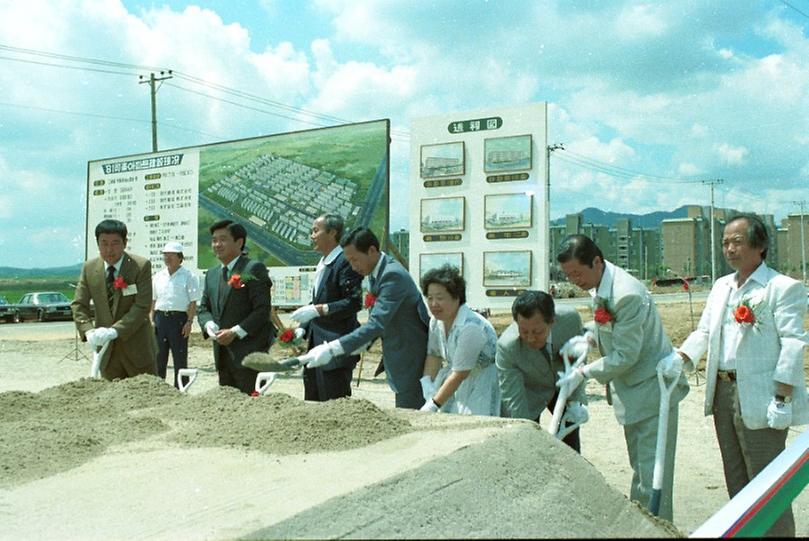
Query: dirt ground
(40, 361)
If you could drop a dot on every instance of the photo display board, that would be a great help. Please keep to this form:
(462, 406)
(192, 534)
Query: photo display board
(479, 200)
(275, 186)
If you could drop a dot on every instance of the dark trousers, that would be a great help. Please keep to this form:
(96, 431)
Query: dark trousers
(410, 399)
(169, 333)
(233, 374)
(321, 385)
(572, 439)
(746, 452)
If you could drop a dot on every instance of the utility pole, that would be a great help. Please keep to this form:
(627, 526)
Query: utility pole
(712, 183)
(548, 150)
(152, 80)
(802, 204)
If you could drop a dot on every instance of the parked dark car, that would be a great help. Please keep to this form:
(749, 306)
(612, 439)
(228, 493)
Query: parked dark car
(44, 306)
(8, 312)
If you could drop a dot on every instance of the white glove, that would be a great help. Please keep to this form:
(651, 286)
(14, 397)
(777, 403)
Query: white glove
(576, 413)
(571, 380)
(300, 332)
(211, 328)
(101, 336)
(779, 415)
(94, 338)
(575, 347)
(317, 356)
(672, 365)
(305, 314)
(427, 388)
(429, 406)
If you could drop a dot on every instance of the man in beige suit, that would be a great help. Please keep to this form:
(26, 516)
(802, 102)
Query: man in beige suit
(528, 360)
(119, 285)
(752, 329)
(631, 338)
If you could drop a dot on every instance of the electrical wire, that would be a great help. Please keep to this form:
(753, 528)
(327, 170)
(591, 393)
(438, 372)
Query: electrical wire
(107, 117)
(618, 172)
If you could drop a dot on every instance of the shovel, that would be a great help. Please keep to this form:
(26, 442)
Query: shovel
(263, 362)
(561, 400)
(98, 355)
(190, 373)
(662, 433)
(263, 381)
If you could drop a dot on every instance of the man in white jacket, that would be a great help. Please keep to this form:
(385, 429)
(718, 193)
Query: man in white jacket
(752, 329)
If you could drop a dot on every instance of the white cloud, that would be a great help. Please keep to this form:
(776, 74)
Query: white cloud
(730, 154)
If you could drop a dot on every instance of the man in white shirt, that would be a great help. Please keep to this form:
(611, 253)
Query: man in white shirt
(752, 330)
(175, 293)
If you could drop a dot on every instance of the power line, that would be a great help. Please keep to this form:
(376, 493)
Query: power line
(796, 9)
(108, 117)
(618, 172)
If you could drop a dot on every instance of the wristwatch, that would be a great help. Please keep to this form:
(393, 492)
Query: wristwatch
(783, 399)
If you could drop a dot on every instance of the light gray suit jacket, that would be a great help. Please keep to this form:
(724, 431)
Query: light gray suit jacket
(631, 344)
(527, 379)
(771, 351)
(399, 316)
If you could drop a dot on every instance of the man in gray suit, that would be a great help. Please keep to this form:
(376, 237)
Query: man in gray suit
(631, 338)
(528, 360)
(398, 316)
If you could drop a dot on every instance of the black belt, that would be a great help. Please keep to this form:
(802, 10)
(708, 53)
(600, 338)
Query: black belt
(170, 313)
(726, 375)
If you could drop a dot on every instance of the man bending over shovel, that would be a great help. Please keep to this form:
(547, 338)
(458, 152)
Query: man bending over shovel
(119, 284)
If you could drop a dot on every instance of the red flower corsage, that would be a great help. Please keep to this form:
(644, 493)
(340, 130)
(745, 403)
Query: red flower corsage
(235, 281)
(369, 301)
(287, 336)
(120, 283)
(602, 316)
(744, 314)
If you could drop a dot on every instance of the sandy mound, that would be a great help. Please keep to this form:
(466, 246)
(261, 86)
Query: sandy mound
(344, 468)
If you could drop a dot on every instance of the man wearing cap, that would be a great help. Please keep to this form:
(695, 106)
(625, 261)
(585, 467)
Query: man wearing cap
(175, 293)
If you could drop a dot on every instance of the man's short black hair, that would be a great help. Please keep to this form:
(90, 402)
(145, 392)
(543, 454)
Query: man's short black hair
(236, 230)
(111, 227)
(578, 247)
(531, 301)
(448, 276)
(361, 238)
(757, 235)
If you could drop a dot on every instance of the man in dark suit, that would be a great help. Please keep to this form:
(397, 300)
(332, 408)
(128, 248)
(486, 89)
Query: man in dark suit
(332, 312)
(235, 306)
(398, 316)
(119, 285)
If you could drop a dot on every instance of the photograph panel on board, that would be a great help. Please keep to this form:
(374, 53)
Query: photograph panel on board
(507, 269)
(434, 261)
(442, 160)
(508, 211)
(442, 214)
(507, 153)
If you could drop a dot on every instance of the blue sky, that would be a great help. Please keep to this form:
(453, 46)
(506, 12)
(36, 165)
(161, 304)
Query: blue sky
(648, 98)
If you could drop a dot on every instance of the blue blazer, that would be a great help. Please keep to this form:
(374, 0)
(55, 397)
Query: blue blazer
(341, 289)
(399, 316)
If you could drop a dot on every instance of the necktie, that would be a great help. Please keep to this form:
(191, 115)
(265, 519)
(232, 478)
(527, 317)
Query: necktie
(110, 286)
(372, 282)
(223, 285)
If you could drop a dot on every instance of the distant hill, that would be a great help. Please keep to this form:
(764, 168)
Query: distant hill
(651, 220)
(52, 272)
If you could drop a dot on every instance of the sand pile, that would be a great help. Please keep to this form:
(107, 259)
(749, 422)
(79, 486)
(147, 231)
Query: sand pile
(62, 427)
(344, 468)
